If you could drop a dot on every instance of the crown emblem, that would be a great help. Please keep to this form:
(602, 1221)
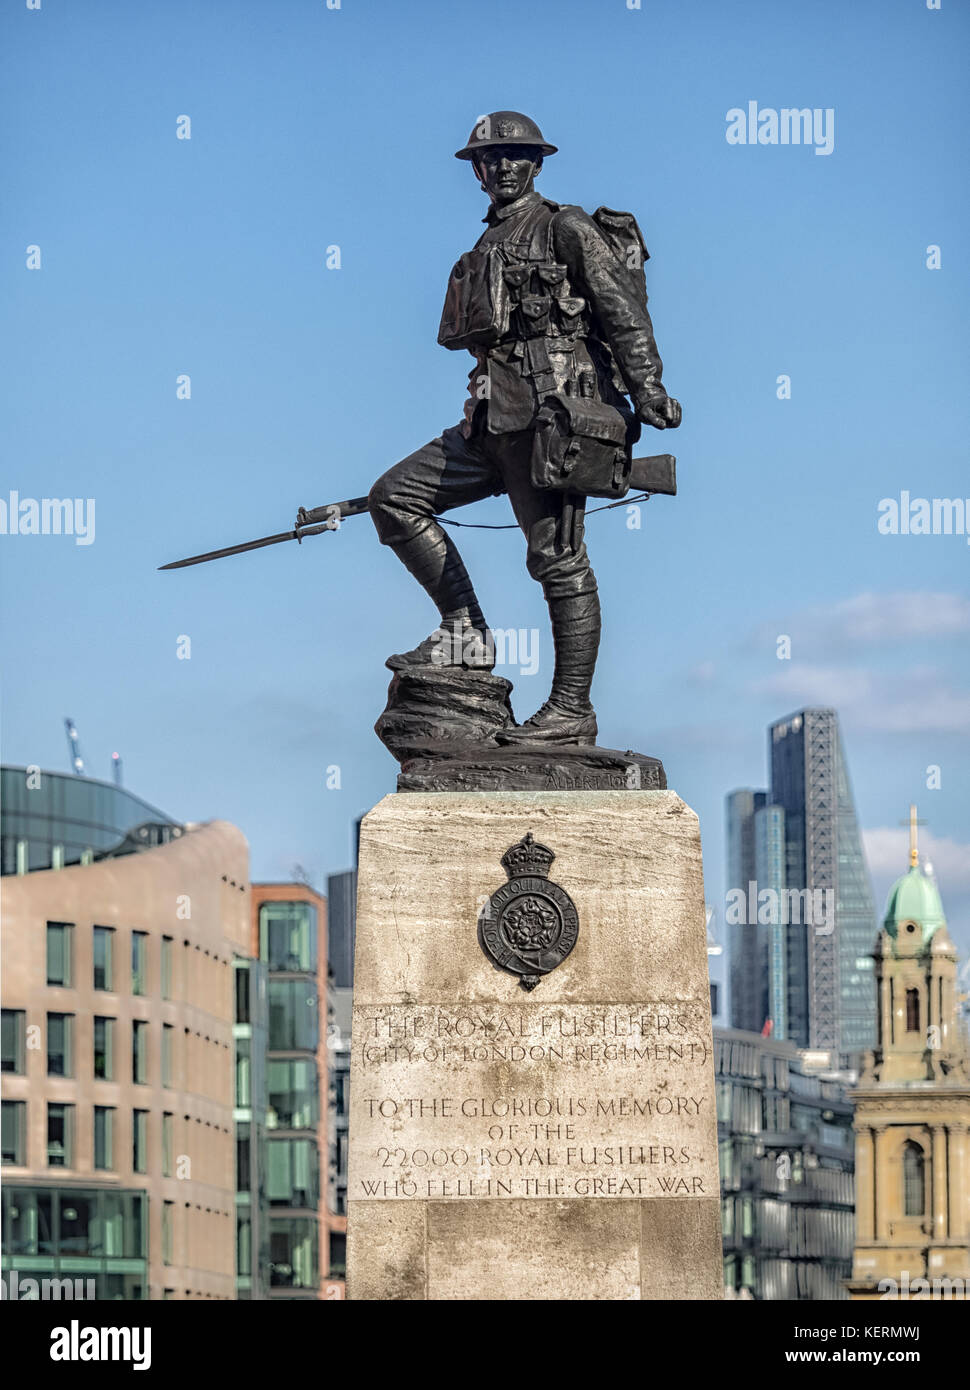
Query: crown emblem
(527, 857)
(529, 925)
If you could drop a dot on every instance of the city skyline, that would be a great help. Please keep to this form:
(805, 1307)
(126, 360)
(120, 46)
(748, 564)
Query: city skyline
(207, 257)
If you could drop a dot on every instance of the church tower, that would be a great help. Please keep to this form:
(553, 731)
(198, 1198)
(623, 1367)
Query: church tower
(912, 1118)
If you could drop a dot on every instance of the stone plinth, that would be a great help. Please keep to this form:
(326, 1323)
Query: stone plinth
(558, 1144)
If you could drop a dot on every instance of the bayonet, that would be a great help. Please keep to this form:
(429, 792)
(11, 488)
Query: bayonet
(655, 474)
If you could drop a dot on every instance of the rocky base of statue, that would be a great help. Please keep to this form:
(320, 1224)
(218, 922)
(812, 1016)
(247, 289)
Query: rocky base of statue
(441, 722)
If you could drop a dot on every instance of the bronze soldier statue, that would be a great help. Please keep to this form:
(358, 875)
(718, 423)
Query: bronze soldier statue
(551, 302)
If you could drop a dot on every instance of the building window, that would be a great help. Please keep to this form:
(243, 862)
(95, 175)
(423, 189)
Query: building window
(914, 1185)
(293, 1253)
(103, 938)
(292, 1173)
(59, 953)
(104, 1050)
(168, 1042)
(288, 936)
(59, 1030)
(60, 1135)
(244, 1243)
(338, 1254)
(292, 1094)
(168, 1220)
(139, 1141)
(241, 973)
(104, 1124)
(912, 1011)
(14, 1132)
(139, 1052)
(243, 1168)
(293, 1016)
(167, 1144)
(139, 962)
(243, 1074)
(167, 946)
(14, 1030)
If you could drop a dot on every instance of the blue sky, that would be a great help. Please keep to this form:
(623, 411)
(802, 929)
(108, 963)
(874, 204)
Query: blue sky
(313, 127)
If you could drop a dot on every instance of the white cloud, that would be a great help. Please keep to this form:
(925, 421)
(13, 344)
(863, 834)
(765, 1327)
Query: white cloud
(887, 852)
(872, 620)
(876, 618)
(915, 702)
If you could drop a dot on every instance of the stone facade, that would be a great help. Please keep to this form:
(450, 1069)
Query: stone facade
(552, 1144)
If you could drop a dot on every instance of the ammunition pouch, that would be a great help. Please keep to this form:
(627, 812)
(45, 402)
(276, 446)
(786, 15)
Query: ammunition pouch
(476, 312)
(583, 445)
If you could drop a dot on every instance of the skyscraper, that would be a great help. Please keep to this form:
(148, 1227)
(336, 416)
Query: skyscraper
(801, 943)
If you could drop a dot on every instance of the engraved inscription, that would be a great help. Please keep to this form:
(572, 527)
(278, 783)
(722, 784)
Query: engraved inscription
(530, 1101)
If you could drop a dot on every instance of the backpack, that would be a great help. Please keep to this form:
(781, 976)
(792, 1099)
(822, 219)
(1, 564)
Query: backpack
(625, 239)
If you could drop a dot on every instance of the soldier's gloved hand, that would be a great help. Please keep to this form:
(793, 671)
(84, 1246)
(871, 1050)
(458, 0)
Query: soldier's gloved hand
(663, 412)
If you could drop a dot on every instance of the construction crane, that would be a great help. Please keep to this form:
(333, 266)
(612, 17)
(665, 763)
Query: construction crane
(77, 762)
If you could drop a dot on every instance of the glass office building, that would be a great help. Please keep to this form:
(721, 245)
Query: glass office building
(289, 921)
(49, 820)
(801, 959)
(786, 1158)
(77, 1233)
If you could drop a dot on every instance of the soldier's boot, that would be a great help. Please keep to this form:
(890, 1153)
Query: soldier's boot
(462, 637)
(567, 717)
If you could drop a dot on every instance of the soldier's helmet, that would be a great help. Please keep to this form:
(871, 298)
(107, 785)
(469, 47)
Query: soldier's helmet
(504, 128)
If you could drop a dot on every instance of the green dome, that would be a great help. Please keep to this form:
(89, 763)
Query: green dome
(914, 898)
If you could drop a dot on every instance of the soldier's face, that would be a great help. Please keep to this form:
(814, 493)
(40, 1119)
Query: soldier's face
(506, 172)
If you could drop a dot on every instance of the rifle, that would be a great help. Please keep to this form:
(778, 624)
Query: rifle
(656, 474)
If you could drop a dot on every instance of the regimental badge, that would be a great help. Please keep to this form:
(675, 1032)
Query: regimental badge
(529, 925)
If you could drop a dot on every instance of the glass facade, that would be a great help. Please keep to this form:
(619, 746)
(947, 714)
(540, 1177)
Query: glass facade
(249, 1034)
(61, 820)
(807, 966)
(293, 1173)
(293, 1090)
(293, 1016)
(77, 1233)
(293, 1257)
(786, 1158)
(288, 937)
(288, 950)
